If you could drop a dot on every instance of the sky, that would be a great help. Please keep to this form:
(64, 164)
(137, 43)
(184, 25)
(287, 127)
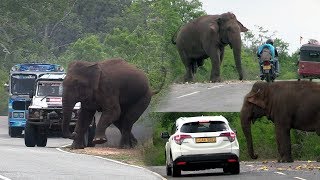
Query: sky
(289, 18)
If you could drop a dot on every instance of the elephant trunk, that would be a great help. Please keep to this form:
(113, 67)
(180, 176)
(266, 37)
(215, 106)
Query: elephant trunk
(67, 108)
(246, 128)
(236, 46)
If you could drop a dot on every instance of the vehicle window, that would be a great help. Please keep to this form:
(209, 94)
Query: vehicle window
(49, 89)
(195, 127)
(310, 56)
(22, 83)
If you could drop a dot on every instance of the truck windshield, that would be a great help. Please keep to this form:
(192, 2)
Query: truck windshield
(50, 89)
(22, 84)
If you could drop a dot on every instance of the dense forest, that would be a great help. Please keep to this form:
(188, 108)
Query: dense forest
(61, 31)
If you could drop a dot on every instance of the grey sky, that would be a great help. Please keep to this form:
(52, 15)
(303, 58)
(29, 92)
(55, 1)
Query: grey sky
(290, 18)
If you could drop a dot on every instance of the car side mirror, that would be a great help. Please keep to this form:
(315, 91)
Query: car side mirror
(31, 94)
(6, 87)
(165, 135)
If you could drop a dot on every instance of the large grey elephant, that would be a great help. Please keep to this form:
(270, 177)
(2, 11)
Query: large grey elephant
(206, 37)
(114, 87)
(288, 104)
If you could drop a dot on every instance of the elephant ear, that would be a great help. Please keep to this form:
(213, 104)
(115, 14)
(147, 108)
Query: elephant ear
(257, 98)
(87, 77)
(94, 73)
(242, 28)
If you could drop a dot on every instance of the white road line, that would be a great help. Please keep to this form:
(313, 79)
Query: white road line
(249, 165)
(280, 173)
(115, 161)
(189, 94)
(299, 178)
(4, 178)
(215, 87)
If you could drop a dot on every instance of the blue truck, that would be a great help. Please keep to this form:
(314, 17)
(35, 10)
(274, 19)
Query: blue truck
(21, 85)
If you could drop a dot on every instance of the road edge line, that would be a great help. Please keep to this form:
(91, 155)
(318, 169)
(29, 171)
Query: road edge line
(112, 160)
(4, 178)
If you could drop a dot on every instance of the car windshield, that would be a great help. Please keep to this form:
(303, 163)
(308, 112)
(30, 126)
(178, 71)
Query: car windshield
(196, 127)
(22, 84)
(50, 89)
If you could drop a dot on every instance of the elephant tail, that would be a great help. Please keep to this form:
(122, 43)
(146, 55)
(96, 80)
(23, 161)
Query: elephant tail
(173, 39)
(164, 71)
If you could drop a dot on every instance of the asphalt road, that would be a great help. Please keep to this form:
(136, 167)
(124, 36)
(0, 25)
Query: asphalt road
(20, 162)
(205, 97)
(256, 170)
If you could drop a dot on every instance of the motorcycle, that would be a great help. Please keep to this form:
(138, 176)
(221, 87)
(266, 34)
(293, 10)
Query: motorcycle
(268, 66)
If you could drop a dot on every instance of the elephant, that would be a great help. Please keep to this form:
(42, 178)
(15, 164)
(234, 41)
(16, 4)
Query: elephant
(289, 105)
(205, 37)
(117, 89)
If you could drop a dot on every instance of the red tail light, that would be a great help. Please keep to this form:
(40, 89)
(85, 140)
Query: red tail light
(232, 160)
(266, 63)
(179, 138)
(181, 163)
(230, 135)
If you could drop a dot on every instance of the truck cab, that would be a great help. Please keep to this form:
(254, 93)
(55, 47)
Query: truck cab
(45, 110)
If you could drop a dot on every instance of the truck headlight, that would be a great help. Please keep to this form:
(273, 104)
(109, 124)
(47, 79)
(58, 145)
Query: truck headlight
(33, 113)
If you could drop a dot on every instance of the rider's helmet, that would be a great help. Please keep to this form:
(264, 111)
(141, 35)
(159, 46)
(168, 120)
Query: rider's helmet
(269, 41)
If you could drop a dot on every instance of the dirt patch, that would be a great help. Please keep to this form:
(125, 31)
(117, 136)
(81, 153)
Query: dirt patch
(129, 156)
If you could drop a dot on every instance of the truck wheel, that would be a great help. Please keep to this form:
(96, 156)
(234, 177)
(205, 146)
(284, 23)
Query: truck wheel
(42, 139)
(15, 131)
(30, 135)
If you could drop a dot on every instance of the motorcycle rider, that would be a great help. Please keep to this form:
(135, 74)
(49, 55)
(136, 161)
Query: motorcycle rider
(274, 54)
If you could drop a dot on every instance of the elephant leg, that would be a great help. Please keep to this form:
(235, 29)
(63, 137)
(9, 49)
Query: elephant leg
(188, 64)
(132, 114)
(85, 118)
(284, 143)
(108, 117)
(221, 55)
(215, 65)
(133, 140)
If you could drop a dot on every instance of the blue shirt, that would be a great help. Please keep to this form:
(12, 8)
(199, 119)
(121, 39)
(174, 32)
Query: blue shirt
(270, 47)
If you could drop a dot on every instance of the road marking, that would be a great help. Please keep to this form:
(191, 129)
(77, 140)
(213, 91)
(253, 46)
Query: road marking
(215, 87)
(299, 178)
(249, 165)
(189, 94)
(280, 173)
(115, 161)
(4, 178)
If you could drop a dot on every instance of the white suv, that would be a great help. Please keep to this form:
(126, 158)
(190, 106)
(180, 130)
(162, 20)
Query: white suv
(203, 142)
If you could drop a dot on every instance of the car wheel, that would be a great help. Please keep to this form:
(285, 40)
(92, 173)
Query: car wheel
(235, 168)
(176, 172)
(168, 170)
(30, 135)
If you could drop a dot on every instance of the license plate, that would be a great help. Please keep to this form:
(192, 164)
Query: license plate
(267, 67)
(206, 140)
